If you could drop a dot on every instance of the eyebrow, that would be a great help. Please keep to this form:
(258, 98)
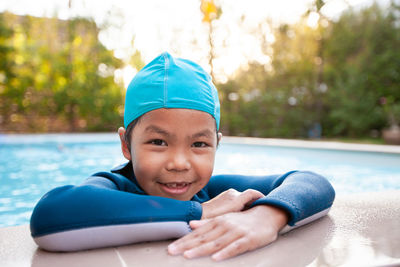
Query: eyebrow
(205, 133)
(155, 129)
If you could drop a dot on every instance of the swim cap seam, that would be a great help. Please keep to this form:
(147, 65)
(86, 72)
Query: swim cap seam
(166, 65)
(215, 106)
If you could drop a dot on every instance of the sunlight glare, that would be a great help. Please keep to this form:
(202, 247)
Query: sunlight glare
(313, 20)
(155, 26)
(128, 72)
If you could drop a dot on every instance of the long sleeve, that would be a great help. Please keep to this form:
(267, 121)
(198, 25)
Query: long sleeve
(99, 214)
(305, 196)
(109, 209)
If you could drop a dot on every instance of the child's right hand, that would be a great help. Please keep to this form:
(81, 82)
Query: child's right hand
(229, 201)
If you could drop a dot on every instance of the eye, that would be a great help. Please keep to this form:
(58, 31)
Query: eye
(200, 144)
(158, 142)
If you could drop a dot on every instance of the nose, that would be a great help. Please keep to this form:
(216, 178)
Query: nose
(178, 161)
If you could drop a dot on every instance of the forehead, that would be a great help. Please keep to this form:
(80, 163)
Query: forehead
(181, 119)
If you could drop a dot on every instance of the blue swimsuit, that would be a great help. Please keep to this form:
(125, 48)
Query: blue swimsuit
(110, 208)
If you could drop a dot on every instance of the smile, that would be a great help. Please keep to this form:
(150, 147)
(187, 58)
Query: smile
(175, 188)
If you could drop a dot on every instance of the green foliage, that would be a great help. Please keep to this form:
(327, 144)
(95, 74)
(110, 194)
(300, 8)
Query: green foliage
(6, 70)
(342, 76)
(362, 66)
(60, 78)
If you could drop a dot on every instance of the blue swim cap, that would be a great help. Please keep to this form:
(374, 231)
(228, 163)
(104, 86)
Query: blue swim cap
(168, 82)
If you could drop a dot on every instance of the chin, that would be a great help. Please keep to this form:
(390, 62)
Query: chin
(182, 198)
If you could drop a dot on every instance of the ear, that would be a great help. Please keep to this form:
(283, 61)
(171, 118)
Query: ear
(219, 137)
(124, 146)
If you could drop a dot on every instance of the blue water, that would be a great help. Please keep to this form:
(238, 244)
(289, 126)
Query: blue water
(31, 165)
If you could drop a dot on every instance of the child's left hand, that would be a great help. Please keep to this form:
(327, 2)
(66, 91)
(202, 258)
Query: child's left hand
(231, 234)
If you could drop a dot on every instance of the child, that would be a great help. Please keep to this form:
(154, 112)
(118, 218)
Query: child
(171, 136)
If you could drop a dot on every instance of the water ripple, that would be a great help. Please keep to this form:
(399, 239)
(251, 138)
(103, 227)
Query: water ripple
(31, 166)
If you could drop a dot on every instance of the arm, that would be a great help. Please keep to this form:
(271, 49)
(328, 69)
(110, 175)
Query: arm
(231, 234)
(304, 196)
(98, 214)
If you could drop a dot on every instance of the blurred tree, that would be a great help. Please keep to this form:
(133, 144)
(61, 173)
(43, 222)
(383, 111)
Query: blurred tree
(210, 12)
(320, 22)
(363, 68)
(342, 74)
(136, 60)
(6, 72)
(63, 77)
(340, 78)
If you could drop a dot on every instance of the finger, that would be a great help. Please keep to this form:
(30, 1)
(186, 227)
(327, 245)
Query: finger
(215, 244)
(235, 248)
(199, 236)
(197, 232)
(198, 223)
(195, 241)
(249, 196)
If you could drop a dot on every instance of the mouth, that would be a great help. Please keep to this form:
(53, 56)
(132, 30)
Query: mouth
(175, 188)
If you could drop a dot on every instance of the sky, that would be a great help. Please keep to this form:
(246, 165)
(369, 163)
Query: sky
(176, 26)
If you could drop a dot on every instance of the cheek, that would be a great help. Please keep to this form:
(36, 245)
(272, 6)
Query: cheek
(205, 166)
(145, 166)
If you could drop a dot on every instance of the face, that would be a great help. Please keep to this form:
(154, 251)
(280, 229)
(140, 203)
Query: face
(172, 152)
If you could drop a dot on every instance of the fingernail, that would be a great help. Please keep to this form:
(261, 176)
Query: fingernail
(217, 257)
(173, 250)
(193, 222)
(189, 254)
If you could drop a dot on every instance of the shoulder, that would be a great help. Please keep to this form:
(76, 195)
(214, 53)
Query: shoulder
(122, 176)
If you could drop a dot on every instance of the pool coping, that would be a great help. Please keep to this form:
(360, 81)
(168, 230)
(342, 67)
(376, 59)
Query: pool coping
(360, 230)
(329, 145)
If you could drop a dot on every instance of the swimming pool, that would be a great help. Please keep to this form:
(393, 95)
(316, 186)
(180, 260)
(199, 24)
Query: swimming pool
(31, 165)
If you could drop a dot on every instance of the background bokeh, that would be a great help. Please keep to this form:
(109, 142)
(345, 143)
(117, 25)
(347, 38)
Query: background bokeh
(293, 69)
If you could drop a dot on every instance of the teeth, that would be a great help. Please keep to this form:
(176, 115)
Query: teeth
(175, 185)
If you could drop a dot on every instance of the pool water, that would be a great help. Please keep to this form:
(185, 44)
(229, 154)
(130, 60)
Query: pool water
(31, 165)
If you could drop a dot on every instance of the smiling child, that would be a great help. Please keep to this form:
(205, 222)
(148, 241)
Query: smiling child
(166, 189)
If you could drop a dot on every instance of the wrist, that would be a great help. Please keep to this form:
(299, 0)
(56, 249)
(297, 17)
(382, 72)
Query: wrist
(278, 217)
(205, 211)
